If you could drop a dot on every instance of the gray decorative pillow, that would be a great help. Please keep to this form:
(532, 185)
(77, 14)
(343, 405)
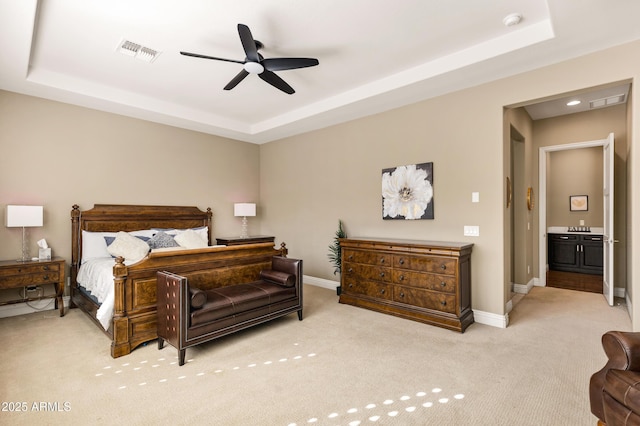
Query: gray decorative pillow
(162, 240)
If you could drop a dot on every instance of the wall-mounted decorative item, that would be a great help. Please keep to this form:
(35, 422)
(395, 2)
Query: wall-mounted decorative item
(578, 203)
(407, 192)
(530, 198)
(509, 193)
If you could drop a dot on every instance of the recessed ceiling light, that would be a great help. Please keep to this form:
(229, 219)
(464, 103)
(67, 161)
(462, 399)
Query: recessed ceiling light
(573, 103)
(512, 19)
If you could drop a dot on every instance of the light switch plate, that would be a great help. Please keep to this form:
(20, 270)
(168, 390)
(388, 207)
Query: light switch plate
(472, 231)
(475, 197)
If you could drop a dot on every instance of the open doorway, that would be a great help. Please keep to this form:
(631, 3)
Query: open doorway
(573, 244)
(547, 127)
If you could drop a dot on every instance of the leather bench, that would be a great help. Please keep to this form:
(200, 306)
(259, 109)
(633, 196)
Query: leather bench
(188, 316)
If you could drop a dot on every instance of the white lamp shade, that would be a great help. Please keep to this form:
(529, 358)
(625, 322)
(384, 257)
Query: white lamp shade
(24, 216)
(244, 209)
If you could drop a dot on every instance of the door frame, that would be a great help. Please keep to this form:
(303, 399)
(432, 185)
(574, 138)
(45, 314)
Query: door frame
(542, 199)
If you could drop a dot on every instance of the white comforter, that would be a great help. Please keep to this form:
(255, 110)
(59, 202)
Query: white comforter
(96, 275)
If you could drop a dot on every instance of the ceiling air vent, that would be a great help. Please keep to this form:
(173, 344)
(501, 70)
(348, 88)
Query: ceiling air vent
(138, 51)
(611, 100)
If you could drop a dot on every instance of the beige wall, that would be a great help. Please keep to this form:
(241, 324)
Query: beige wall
(575, 172)
(57, 155)
(310, 181)
(520, 235)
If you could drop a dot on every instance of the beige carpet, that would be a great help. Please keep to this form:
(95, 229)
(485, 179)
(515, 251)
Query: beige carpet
(340, 366)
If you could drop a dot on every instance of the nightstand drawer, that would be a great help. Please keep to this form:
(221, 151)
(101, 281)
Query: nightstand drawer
(30, 268)
(29, 279)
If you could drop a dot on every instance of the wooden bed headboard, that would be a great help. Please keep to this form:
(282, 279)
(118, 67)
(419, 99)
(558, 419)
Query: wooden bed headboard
(122, 217)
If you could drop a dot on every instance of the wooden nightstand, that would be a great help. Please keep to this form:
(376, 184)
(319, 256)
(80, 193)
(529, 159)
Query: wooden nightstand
(15, 274)
(251, 239)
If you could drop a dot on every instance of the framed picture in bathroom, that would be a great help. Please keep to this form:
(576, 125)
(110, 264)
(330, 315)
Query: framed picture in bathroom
(578, 203)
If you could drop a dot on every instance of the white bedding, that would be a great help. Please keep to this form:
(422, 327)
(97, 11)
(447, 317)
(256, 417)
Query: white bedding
(96, 275)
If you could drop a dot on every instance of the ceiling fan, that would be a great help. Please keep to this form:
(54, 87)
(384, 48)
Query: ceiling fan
(255, 63)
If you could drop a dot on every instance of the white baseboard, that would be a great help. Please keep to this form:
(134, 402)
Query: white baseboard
(31, 307)
(488, 318)
(320, 282)
(629, 306)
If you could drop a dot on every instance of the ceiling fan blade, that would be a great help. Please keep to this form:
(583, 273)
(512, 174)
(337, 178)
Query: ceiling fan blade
(197, 55)
(248, 43)
(280, 64)
(276, 82)
(237, 79)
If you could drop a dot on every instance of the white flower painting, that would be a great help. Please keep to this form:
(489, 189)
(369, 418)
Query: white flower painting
(407, 192)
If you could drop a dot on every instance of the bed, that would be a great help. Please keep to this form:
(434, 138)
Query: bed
(118, 292)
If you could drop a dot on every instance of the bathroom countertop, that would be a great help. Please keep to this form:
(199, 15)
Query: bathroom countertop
(595, 230)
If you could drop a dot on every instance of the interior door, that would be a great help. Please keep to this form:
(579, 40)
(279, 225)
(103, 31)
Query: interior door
(608, 239)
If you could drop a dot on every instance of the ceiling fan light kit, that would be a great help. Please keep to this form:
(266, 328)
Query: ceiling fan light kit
(255, 63)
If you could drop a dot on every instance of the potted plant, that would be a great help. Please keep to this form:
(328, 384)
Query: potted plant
(335, 253)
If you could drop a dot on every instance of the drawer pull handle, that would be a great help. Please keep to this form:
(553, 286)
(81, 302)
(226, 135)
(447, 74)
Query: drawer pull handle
(401, 294)
(45, 278)
(350, 270)
(351, 285)
(443, 284)
(401, 261)
(564, 238)
(350, 257)
(401, 277)
(382, 291)
(45, 268)
(443, 303)
(443, 266)
(382, 260)
(381, 274)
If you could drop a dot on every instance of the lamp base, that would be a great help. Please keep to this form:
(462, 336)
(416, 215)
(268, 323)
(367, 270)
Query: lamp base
(244, 234)
(25, 247)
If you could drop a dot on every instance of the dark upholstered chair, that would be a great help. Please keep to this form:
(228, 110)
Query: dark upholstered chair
(614, 391)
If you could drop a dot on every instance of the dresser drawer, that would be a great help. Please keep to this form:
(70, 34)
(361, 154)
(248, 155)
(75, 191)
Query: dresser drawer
(425, 299)
(437, 282)
(366, 272)
(368, 257)
(435, 264)
(368, 288)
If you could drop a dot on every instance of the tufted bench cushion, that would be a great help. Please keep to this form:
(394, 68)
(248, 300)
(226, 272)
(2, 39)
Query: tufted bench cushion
(232, 300)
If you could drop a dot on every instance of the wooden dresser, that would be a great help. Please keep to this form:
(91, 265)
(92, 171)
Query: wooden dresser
(424, 281)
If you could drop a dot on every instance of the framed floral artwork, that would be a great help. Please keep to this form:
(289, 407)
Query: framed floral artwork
(407, 192)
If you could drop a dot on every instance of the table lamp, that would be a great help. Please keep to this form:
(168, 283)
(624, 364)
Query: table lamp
(24, 217)
(244, 210)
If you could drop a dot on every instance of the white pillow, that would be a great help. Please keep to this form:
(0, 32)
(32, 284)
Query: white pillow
(190, 239)
(126, 245)
(94, 245)
(203, 231)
